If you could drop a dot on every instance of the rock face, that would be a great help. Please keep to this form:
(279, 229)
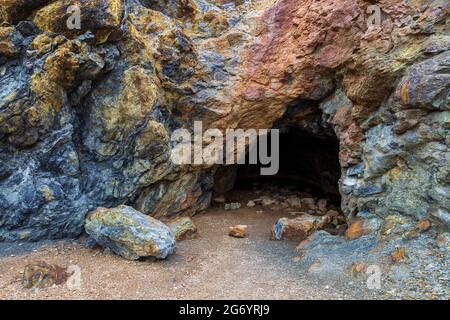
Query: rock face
(86, 114)
(129, 233)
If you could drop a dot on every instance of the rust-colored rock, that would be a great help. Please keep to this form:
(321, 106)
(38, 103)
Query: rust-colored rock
(298, 228)
(239, 231)
(423, 225)
(357, 268)
(40, 275)
(357, 229)
(138, 70)
(398, 255)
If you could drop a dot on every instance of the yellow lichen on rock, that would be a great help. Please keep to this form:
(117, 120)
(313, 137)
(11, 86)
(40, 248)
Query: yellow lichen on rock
(134, 102)
(95, 15)
(7, 46)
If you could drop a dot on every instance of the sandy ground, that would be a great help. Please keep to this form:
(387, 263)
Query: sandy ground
(211, 266)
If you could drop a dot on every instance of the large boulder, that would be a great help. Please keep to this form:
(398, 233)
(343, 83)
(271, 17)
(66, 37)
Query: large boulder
(129, 233)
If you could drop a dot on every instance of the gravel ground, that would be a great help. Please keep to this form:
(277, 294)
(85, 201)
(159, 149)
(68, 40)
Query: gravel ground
(211, 266)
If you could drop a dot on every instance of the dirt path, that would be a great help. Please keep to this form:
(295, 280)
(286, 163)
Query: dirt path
(212, 266)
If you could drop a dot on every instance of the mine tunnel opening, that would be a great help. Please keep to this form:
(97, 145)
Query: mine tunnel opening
(306, 163)
(308, 167)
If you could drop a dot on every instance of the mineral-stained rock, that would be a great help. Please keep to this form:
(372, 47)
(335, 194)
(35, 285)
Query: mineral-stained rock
(129, 233)
(239, 231)
(423, 225)
(398, 255)
(98, 16)
(362, 227)
(86, 116)
(40, 275)
(182, 228)
(10, 41)
(356, 230)
(299, 228)
(15, 10)
(357, 268)
(232, 206)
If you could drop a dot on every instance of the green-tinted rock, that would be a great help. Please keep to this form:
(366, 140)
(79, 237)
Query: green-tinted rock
(129, 233)
(183, 227)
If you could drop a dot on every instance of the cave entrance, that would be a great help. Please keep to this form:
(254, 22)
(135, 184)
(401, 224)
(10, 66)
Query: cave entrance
(309, 167)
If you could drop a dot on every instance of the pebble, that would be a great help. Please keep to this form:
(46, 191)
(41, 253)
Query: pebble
(232, 206)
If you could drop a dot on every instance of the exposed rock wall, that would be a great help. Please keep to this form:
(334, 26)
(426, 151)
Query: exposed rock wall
(86, 115)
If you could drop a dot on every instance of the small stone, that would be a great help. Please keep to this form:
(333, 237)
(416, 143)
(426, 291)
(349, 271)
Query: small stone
(358, 268)
(40, 275)
(423, 225)
(357, 229)
(183, 228)
(219, 199)
(232, 206)
(298, 228)
(257, 201)
(266, 201)
(322, 204)
(251, 204)
(309, 204)
(398, 255)
(315, 267)
(332, 214)
(238, 231)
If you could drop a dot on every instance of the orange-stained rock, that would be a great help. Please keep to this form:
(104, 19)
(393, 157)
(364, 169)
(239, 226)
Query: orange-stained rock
(138, 70)
(183, 228)
(41, 275)
(298, 228)
(423, 225)
(398, 255)
(356, 230)
(239, 231)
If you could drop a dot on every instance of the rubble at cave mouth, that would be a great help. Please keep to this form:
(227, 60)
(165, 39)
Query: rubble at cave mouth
(305, 187)
(307, 162)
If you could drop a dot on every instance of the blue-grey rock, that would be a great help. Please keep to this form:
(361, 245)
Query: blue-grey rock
(129, 233)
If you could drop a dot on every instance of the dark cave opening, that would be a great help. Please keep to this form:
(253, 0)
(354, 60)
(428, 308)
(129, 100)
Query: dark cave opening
(308, 163)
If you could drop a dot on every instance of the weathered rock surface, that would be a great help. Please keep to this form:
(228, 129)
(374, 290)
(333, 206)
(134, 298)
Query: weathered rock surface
(86, 115)
(40, 275)
(129, 233)
(298, 228)
(182, 228)
(239, 231)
